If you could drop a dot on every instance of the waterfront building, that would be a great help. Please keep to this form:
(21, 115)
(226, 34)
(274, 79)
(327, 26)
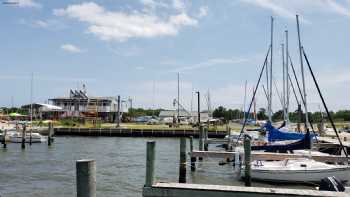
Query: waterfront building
(80, 105)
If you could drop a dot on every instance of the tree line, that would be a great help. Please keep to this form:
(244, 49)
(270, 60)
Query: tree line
(294, 116)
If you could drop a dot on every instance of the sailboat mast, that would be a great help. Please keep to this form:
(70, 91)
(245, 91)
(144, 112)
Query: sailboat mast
(287, 76)
(270, 88)
(254, 113)
(244, 102)
(302, 75)
(284, 85)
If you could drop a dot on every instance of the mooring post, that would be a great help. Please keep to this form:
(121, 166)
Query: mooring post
(237, 162)
(150, 160)
(247, 161)
(4, 138)
(206, 138)
(23, 137)
(182, 167)
(193, 159)
(86, 178)
(201, 134)
(51, 131)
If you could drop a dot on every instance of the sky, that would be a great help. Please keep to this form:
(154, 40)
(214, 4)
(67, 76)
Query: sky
(135, 48)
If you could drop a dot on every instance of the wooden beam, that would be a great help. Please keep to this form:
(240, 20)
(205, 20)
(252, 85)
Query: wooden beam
(184, 190)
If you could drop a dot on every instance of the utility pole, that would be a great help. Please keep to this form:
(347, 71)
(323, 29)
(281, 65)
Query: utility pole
(178, 97)
(130, 100)
(199, 107)
(118, 113)
(31, 110)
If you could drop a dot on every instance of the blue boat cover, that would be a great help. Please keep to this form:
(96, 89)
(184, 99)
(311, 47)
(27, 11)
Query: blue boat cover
(304, 143)
(277, 135)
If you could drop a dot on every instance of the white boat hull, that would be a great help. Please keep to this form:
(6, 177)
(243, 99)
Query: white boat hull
(36, 138)
(311, 172)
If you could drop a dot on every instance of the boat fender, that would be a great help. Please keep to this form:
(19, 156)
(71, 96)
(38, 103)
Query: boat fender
(331, 184)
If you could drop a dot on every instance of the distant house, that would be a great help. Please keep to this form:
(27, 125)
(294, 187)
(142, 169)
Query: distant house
(43, 111)
(192, 116)
(79, 104)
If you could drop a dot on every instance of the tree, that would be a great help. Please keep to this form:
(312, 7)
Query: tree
(262, 114)
(219, 112)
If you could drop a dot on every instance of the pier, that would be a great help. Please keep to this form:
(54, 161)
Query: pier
(127, 132)
(161, 189)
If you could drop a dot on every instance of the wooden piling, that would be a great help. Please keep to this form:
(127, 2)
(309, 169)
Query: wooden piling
(201, 143)
(182, 165)
(150, 160)
(23, 137)
(247, 161)
(4, 138)
(206, 138)
(193, 159)
(30, 133)
(51, 131)
(237, 163)
(86, 178)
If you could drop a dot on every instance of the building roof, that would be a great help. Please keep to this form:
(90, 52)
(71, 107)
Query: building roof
(43, 106)
(91, 98)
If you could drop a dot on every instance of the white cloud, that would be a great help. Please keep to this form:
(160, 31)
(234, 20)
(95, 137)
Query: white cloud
(338, 8)
(179, 5)
(71, 48)
(203, 11)
(41, 23)
(121, 26)
(28, 3)
(276, 7)
(288, 9)
(210, 63)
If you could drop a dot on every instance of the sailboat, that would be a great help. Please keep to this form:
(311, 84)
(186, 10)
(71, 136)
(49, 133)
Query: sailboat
(301, 169)
(297, 170)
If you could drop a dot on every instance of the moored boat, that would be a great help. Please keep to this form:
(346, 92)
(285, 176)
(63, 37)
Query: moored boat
(36, 138)
(297, 170)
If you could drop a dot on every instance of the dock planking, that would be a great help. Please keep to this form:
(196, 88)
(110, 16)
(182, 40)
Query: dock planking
(201, 190)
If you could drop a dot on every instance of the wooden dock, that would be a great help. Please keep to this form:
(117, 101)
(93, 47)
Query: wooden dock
(159, 189)
(126, 132)
(200, 190)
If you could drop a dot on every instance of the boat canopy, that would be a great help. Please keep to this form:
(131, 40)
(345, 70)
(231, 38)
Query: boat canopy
(278, 135)
(304, 143)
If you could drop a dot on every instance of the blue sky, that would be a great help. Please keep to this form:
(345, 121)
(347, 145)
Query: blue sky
(136, 47)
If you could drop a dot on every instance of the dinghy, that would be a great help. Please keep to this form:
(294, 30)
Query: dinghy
(297, 170)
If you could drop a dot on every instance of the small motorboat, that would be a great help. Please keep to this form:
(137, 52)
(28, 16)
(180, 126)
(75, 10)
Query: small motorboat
(36, 138)
(297, 170)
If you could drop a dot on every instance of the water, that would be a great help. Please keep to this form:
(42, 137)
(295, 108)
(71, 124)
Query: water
(120, 162)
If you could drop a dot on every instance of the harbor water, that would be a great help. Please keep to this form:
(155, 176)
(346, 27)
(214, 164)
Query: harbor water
(40, 170)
